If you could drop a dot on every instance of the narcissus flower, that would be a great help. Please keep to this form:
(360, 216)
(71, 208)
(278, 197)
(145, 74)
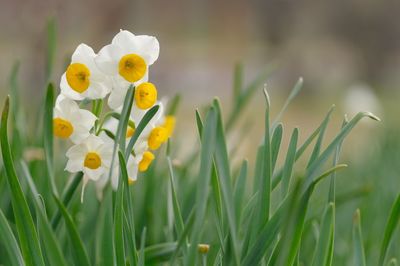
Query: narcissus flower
(127, 60)
(83, 79)
(69, 121)
(92, 157)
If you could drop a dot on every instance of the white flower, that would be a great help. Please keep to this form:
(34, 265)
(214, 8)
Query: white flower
(92, 157)
(127, 60)
(83, 79)
(69, 121)
(361, 97)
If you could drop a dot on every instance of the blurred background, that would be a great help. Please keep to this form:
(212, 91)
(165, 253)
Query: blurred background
(347, 51)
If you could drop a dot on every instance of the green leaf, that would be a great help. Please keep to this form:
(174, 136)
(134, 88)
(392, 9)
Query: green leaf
(276, 144)
(391, 225)
(240, 188)
(78, 249)
(223, 169)
(48, 136)
(278, 175)
(289, 163)
(207, 148)
(159, 252)
(27, 234)
(179, 227)
(317, 147)
(104, 236)
(142, 124)
(319, 162)
(295, 91)
(49, 240)
(359, 256)
(142, 247)
(324, 244)
(66, 197)
(130, 228)
(118, 220)
(271, 229)
(9, 242)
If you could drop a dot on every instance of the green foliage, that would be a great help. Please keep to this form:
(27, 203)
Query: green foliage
(245, 216)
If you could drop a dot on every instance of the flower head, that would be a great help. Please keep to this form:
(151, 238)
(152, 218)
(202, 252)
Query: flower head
(127, 60)
(92, 157)
(69, 121)
(83, 79)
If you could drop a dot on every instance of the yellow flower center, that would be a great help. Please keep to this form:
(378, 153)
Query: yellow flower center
(157, 137)
(144, 164)
(62, 128)
(169, 124)
(129, 132)
(132, 67)
(92, 160)
(78, 77)
(145, 95)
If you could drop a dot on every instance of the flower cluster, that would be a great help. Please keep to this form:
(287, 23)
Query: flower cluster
(90, 78)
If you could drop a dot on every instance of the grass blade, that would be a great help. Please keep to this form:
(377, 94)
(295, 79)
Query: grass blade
(142, 124)
(295, 91)
(208, 142)
(359, 256)
(48, 136)
(49, 240)
(27, 234)
(318, 163)
(78, 249)
(289, 163)
(391, 225)
(223, 169)
(9, 241)
(240, 188)
(276, 144)
(322, 253)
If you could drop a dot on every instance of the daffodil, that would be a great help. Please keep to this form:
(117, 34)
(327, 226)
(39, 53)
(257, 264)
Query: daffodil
(83, 79)
(127, 60)
(92, 157)
(69, 121)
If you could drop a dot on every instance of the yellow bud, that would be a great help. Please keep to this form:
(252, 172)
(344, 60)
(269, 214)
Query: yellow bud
(145, 95)
(157, 137)
(144, 164)
(169, 124)
(203, 248)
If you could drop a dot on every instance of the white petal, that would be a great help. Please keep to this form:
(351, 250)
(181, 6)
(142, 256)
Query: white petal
(108, 58)
(149, 47)
(77, 151)
(93, 142)
(94, 174)
(117, 97)
(74, 165)
(123, 37)
(83, 54)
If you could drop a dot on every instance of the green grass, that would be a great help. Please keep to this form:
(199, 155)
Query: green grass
(279, 213)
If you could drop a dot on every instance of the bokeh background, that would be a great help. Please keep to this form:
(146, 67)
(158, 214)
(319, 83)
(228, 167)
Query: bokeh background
(347, 51)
